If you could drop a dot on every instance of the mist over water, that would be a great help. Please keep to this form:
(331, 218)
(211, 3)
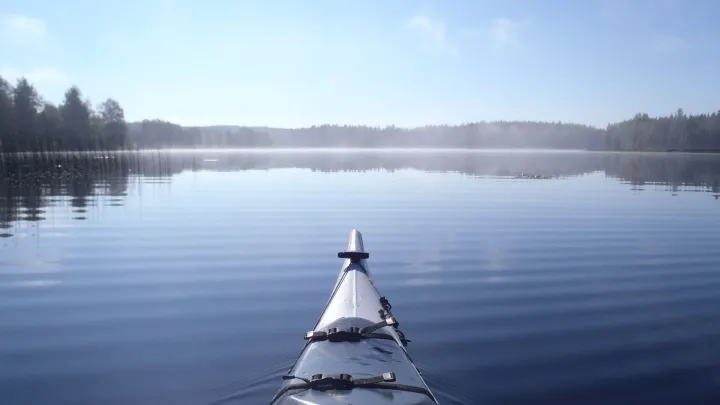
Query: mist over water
(520, 276)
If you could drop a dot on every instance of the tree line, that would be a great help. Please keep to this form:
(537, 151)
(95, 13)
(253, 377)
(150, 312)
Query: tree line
(675, 132)
(29, 123)
(161, 134)
(503, 134)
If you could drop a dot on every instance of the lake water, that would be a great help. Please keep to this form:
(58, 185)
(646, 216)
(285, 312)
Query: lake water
(520, 277)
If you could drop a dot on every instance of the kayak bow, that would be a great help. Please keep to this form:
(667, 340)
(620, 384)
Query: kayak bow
(355, 354)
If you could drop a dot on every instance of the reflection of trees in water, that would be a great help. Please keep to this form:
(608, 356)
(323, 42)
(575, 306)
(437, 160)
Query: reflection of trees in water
(674, 170)
(494, 163)
(694, 170)
(31, 182)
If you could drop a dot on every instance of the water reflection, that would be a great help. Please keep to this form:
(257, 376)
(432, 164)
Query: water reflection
(29, 183)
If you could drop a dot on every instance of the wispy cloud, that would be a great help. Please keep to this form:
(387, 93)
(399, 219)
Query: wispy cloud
(433, 31)
(500, 33)
(46, 75)
(21, 27)
(669, 43)
(425, 26)
(505, 33)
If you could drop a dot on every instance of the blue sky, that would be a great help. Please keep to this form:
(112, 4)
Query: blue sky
(297, 63)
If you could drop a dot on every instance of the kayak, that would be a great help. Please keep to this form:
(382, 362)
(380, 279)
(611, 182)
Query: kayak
(355, 354)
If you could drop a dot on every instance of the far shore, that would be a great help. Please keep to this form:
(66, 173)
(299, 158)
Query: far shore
(357, 149)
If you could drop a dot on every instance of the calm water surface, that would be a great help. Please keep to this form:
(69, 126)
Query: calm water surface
(521, 277)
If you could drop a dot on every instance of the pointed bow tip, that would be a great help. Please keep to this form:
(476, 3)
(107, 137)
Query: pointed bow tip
(355, 244)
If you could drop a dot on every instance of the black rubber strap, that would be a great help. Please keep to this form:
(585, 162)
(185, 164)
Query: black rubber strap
(345, 336)
(355, 258)
(292, 377)
(379, 336)
(352, 334)
(389, 321)
(377, 385)
(401, 387)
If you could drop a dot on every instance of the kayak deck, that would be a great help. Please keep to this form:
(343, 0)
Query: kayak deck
(355, 354)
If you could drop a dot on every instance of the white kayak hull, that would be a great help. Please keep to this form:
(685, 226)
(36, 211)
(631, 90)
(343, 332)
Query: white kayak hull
(355, 303)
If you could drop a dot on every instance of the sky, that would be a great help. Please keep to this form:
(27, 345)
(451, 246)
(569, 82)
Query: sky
(299, 63)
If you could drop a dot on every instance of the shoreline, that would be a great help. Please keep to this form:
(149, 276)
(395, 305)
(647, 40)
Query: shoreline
(357, 149)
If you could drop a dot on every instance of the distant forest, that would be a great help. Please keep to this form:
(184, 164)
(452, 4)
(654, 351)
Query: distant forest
(676, 132)
(29, 123)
